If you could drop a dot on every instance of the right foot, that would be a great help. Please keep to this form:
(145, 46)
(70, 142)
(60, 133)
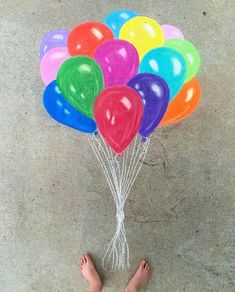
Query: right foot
(140, 277)
(89, 272)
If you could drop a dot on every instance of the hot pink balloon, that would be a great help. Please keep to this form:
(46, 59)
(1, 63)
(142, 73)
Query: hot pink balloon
(51, 63)
(171, 32)
(119, 61)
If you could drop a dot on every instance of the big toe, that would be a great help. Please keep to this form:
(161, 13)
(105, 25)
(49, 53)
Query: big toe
(144, 268)
(142, 265)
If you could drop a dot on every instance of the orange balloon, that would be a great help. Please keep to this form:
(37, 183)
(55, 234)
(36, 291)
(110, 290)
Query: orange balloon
(86, 37)
(184, 104)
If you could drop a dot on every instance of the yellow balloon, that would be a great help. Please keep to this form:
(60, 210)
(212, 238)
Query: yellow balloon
(144, 33)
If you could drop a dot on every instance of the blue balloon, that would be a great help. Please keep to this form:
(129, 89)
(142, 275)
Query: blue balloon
(169, 65)
(60, 110)
(116, 19)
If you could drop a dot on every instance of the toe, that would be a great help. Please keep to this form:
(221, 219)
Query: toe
(142, 264)
(83, 260)
(81, 264)
(87, 257)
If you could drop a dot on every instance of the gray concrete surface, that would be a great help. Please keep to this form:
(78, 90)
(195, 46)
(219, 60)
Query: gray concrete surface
(54, 201)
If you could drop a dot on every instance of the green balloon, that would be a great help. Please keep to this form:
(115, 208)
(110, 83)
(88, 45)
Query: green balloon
(190, 54)
(80, 80)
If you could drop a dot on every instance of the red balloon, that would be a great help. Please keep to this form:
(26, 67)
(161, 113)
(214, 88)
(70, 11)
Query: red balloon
(86, 37)
(118, 113)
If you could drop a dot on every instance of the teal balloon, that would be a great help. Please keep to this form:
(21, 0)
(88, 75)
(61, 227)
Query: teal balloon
(116, 19)
(169, 65)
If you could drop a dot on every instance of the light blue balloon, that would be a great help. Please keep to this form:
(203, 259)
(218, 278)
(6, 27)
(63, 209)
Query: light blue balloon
(169, 65)
(116, 19)
(60, 110)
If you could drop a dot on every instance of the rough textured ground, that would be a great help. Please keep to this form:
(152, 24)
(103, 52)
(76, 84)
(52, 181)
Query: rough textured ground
(54, 201)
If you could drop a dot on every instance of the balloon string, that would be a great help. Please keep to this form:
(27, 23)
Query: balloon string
(120, 173)
(112, 165)
(133, 160)
(137, 170)
(130, 163)
(95, 148)
(107, 159)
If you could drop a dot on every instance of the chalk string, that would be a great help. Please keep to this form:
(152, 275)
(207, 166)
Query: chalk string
(120, 173)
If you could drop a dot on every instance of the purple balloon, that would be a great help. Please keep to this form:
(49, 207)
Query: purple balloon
(119, 61)
(155, 95)
(53, 39)
(171, 32)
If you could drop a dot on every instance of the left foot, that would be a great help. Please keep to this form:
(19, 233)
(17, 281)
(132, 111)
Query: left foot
(140, 277)
(89, 272)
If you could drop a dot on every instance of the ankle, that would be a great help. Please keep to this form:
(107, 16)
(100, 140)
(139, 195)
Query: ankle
(131, 289)
(96, 287)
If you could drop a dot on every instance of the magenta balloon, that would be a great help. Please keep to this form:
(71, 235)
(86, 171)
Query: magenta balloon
(171, 32)
(119, 61)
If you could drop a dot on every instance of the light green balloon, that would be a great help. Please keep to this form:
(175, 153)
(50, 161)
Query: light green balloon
(80, 80)
(190, 54)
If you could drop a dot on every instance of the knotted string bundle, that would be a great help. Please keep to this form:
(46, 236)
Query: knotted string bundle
(120, 173)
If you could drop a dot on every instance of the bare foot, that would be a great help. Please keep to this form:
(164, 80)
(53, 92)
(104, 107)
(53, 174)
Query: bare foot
(140, 277)
(89, 272)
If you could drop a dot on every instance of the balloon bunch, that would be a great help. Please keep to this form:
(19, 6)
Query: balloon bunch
(118, 81)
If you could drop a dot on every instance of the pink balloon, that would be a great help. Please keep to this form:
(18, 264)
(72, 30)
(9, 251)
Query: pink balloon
(51, 63)
(171, 32)
(119, 61)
